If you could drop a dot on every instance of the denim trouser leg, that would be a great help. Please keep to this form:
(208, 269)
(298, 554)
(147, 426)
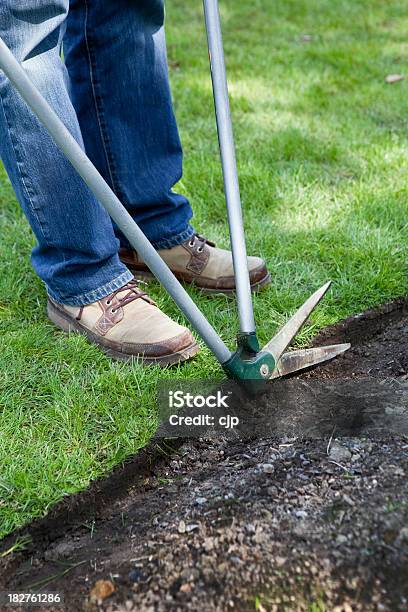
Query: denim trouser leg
(77, 252)
(115, 52)
(132, 139)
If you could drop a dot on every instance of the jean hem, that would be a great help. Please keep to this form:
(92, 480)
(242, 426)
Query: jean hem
(94, 295)
(169, 243)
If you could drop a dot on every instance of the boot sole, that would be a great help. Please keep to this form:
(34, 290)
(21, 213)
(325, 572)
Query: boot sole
(69, 325)
(255, 288)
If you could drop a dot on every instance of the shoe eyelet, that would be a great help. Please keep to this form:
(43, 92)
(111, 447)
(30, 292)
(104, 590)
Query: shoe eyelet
(191, 243)
(200, 250)
(108, 302)
(113, 310)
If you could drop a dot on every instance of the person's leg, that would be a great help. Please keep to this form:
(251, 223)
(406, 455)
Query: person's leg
(122, 98)
(115, 52)
(77, 252)
(90, 290)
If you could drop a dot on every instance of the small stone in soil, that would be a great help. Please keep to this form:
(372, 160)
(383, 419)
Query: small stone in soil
(200, 501)
(101, 590)
(136, 575)
(339, 453)
(301, 514)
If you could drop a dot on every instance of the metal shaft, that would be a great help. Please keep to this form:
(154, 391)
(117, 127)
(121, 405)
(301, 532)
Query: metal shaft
(229, 165)
(68, 145)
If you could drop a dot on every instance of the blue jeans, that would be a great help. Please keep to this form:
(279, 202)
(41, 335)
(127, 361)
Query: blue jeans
(112, 93)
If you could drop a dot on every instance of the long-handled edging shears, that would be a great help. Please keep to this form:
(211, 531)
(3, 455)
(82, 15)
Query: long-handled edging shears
(248, 362)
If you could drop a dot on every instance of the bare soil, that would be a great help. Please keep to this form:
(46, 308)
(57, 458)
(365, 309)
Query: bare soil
(266, 523)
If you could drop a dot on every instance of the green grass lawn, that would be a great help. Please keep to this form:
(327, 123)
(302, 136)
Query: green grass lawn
(322, 144)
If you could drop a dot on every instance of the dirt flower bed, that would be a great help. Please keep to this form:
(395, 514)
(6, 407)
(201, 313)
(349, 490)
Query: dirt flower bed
(272, 524)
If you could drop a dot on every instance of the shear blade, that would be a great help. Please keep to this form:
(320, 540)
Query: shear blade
(285, 335)
(306, 358)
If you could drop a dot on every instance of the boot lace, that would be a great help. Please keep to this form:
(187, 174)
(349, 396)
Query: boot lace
(133, 293)
(201, 241)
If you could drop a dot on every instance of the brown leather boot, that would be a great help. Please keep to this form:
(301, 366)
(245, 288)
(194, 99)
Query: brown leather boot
(199, 261)
(127, 324)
